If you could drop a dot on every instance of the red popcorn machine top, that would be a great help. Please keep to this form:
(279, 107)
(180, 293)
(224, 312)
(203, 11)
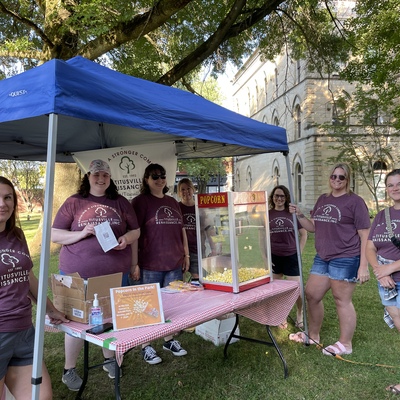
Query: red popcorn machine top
(233, 240)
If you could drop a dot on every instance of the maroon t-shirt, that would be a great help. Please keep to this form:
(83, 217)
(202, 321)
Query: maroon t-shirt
(161, 239)
(380, 237)
(189, 223)
(337, 220)
(281, 230)
(86, 256)
(15, 265)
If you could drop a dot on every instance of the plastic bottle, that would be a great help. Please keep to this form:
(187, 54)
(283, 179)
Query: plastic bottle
(96, 312)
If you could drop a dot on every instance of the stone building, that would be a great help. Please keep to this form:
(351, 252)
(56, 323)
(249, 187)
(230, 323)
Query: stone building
(285, 93)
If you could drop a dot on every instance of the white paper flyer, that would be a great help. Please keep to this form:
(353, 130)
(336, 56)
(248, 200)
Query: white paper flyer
(105, 236)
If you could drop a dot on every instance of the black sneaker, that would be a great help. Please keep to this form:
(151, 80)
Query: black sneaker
(175, 348)
(72, 380)
(150, 355)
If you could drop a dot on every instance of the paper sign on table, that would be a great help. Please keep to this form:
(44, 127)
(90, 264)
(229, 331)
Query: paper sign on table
(138, 305)
(105, 236)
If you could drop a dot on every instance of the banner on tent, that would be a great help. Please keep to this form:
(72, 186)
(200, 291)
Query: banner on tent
(128, 163)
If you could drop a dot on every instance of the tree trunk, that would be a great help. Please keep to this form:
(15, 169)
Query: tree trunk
(66, 182)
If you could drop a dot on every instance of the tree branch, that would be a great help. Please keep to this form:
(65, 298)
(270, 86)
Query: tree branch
(224, 32)
(27, 22)
(139, 26)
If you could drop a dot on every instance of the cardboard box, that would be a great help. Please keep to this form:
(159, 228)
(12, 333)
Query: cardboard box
(74, 297)
(218, 330)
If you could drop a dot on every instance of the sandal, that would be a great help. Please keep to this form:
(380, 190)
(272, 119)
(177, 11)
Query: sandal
(336, 349)
(283, 325)
(300, 337)
(393, 389)
(299, 324)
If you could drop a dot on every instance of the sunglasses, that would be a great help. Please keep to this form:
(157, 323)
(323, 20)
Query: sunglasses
(156, 177)
(341, 177)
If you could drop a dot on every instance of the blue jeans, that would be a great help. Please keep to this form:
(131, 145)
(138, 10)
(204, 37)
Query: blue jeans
(340, 269)
(164, 278)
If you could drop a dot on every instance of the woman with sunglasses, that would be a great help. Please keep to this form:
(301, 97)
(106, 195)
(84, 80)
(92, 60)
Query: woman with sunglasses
(383, 254)
(340, 220)
(283, 243)
(163, 253)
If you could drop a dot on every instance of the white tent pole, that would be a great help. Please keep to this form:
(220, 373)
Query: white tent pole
(296, 233)
(44, 258)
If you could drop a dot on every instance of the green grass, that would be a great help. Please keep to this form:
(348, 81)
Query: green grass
(253, 371)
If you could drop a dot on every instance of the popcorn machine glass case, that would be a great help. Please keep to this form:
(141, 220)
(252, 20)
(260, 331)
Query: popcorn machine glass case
(233, 237)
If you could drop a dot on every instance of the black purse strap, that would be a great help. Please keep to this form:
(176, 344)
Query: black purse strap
(388, 222)
(393, 238)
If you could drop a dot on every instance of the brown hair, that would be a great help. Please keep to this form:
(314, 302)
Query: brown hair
(151, 169)
(285, 190)
(186, 181)
(13, 223)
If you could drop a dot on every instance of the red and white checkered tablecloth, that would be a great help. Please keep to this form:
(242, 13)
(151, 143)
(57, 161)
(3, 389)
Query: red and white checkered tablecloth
(268, 304)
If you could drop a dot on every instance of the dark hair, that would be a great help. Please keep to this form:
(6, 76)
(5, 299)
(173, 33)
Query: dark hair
(84, 189)
(285, 190)
(392, 173)
(152, 169)
(13, 226)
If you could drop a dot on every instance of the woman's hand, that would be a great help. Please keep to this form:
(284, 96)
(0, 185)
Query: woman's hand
(56, 318)
(387, 282)
(363, 274)
(122, 243)
(382, 271)
(135, 272)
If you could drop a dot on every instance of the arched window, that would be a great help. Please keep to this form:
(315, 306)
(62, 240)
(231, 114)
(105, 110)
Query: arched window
(340, 107)
(298, 71)
(298, 182)
(266, 89)
(297, 122)
(380, 169)
(276, 176)
(276, 82)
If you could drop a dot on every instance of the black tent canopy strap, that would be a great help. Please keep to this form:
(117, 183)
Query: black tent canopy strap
(52, 111)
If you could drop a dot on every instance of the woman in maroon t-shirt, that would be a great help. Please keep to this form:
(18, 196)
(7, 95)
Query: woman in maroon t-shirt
(340, 220)
(383, 254)
(18, 286)
(284, 255)
(163, 252)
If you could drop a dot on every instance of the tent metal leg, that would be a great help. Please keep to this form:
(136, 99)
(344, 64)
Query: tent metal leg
(271, 343)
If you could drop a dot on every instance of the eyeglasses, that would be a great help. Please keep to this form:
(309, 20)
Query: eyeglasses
(341, 177)
(279, 196)
(156, 177)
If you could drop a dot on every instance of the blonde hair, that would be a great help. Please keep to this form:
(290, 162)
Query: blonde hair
(186, 181)
(347, 173)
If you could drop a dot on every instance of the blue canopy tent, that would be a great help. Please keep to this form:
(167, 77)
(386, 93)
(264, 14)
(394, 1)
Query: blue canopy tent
(58, 108)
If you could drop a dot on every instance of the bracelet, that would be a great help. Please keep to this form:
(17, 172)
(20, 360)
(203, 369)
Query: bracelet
(300, 216)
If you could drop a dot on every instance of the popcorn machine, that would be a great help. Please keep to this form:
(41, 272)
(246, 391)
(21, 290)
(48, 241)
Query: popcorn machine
(233, 240)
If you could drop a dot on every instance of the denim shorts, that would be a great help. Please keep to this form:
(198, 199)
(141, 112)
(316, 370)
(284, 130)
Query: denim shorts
(339, 269)
(164, 278)
(16, 349)
(395, 301)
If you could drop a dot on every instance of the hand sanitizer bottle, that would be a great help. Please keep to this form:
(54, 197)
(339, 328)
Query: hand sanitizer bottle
(96, 313)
